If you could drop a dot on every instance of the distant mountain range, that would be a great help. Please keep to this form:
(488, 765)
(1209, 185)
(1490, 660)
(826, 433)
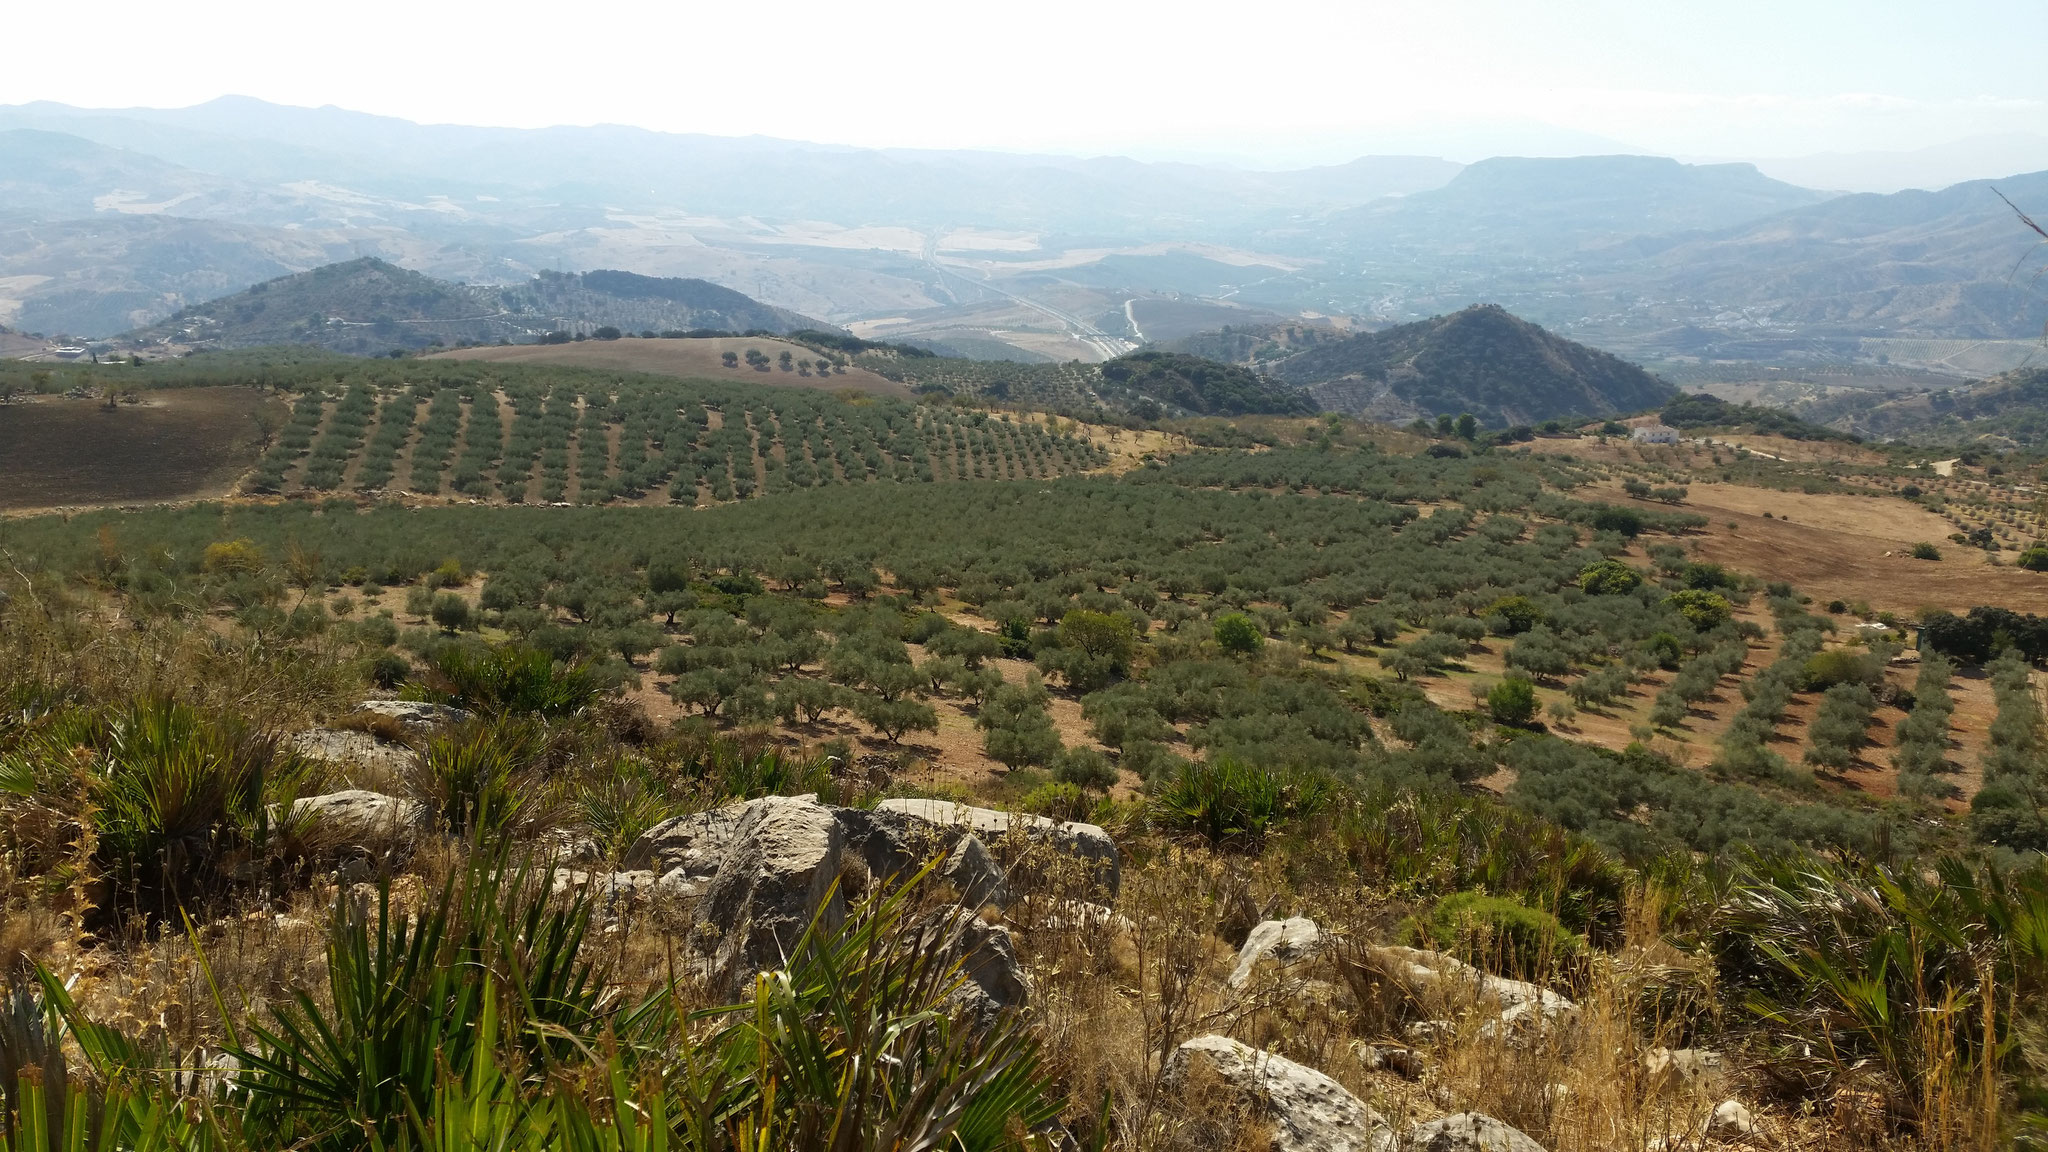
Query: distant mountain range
(368, 306)
(1955, 263)
(110, 220)
(1511, 206)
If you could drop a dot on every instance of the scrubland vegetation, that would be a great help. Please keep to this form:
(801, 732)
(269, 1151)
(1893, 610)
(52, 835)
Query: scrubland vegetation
(1324, 680)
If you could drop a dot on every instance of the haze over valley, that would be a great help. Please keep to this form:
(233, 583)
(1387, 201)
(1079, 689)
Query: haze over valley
(114, 220)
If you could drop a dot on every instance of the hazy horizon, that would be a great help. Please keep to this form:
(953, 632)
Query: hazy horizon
(1330, 82)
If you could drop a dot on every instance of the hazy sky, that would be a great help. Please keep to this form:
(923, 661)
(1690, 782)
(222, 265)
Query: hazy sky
(1274, 82)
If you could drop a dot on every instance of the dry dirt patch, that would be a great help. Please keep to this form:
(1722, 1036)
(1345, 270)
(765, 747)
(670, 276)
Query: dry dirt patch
(1834, 547)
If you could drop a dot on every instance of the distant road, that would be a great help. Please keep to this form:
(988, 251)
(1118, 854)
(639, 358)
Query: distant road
(1106, 346)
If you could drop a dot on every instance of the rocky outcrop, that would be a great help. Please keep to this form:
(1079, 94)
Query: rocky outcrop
(975, 875)
(355, 753)
(994, 978)
(1307, 1111)
(696, 843)
(357, 822)
(1084, 842)
(1466, 1132)
(1435, 977)
(416, 718)
(1284, 942)
(777, 872)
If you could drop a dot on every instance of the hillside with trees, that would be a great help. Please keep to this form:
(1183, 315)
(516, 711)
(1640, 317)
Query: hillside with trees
(1481, 360)
(505, 773)
(1204, 387)
(370, 306)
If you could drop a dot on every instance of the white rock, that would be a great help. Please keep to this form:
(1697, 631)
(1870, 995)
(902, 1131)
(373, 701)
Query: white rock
(1680, 1065)
(1433, 973)
(1309, 1111)
(1403, 1062)
(1289, 941)
(975, 875)
(696, 842)
(1467, 1132)
(1082, 840)
(357, 819)
(1731, 1121)
(417, 717)
(778, 871)
(347, 749)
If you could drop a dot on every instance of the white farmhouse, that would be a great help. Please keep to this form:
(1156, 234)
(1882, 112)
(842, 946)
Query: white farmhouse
(1654, 434)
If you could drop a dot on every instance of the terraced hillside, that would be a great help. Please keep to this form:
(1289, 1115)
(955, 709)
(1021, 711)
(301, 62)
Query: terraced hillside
(555, 437)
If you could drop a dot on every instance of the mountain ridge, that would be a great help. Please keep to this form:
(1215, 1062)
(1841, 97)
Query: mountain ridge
(369, 306)
(1481, 359)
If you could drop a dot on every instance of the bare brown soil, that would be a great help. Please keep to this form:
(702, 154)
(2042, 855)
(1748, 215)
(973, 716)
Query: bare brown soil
(695, 359)
(1839, 547)
(182, 444)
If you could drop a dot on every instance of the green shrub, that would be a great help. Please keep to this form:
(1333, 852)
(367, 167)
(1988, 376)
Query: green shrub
(178, 804)
(472, 779)
(1840, 666)
(1085, 767)
(1500, 935)
(1609, 578)
(507, 681)
(1702, 609)
(1230, 803)
(1925, 551)
(1058, 800)
(1512, 702)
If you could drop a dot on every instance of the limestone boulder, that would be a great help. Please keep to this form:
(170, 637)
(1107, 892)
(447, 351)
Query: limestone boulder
(356, 754)
(1467, 1132)
(1435, 977)
(778, 870)
(1084, 842)
(1283, 942)
(416, 718)
(1306, 1110)
(696, 842)
(975, 874)
(357, 821)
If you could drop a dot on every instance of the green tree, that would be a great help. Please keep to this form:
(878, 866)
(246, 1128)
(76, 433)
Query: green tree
(1518, 614)
(1104, 635)
(1609, 578)
(1702, 609)
(894, 718)
(1512, 702)
(451, 612)
(1238, 634)
(1016, 729)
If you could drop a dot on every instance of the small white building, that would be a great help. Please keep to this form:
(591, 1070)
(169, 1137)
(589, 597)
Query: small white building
(1654, 434)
